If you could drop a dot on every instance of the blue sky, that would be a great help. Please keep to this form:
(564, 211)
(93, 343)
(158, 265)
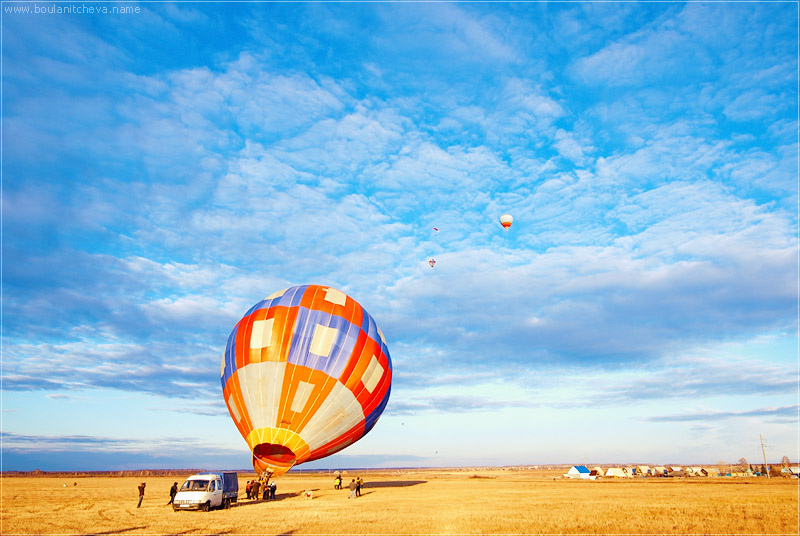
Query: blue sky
(166, 169)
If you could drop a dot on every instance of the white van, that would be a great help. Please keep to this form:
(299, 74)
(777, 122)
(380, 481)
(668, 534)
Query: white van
(205, 491)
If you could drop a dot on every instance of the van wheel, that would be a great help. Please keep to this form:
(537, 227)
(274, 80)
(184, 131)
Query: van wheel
(207, 507)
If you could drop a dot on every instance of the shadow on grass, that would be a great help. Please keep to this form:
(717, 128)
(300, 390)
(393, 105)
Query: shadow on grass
(115, 531)
(393, 484)
(278, 497)
(193, 531)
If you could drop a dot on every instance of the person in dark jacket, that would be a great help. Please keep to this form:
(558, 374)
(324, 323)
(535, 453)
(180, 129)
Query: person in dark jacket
(172, 492)
(141, 494)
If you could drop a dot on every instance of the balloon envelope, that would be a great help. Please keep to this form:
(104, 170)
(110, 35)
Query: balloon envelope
(306, 372)
(506, 220)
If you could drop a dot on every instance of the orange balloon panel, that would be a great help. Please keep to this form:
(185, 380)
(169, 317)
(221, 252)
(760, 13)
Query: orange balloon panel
(306, 372)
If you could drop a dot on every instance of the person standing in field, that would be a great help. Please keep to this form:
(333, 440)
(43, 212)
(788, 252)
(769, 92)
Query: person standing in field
(141, 494)
(172, 492)
(248, 487)
(254, 489)
(352, 487)
(272, 488)
(359, 485)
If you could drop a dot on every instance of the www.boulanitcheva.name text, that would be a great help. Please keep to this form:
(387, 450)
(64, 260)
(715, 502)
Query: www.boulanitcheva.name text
(74, 9)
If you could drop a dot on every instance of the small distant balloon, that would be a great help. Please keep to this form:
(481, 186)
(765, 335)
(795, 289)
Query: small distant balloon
(506, 220)
(436, 229)
(432, 262)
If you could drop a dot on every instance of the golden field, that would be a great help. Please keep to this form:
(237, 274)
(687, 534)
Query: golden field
(412, 502)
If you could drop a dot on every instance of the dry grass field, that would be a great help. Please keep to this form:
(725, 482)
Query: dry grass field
(413, 502)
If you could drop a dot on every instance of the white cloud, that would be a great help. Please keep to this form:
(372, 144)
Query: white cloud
(446, 31)
(754, 104)
(642, 58)
(571, 148)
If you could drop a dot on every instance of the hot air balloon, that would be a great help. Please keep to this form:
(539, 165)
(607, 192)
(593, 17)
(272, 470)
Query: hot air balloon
(432, 262)
(506, 220)
(306, 372)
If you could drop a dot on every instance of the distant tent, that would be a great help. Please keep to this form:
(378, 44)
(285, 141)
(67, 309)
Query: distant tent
(696, 471)
(616, 472)
(597, 471)
(644, 470)
(660, 470)
(676, 470)
(792, 471)
(578, 471)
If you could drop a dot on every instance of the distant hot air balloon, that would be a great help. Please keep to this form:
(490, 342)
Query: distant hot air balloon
(432, 262)
(506, 220)
(306, 372)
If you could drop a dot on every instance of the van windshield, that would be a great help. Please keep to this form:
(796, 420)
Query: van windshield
(195, 485)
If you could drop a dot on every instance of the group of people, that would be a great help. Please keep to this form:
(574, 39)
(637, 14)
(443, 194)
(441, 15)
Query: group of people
(355, 485)
(172, 492)
(355, 488)
(266, 488)
(253, 487)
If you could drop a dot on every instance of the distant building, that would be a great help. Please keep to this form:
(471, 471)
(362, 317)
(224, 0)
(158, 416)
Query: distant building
(578, 471)
(616, 472)
(675, 471)
(792, 471)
